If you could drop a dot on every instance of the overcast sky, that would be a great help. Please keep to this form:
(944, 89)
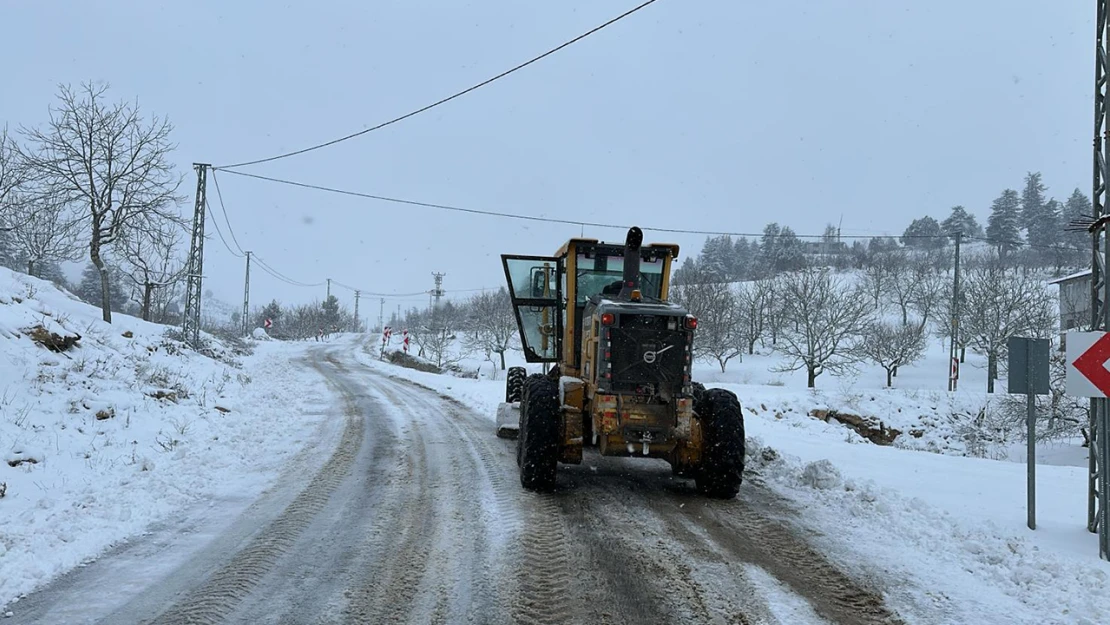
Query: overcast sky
(719, 115)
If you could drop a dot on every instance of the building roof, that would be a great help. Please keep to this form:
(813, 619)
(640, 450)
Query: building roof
(1075, 276)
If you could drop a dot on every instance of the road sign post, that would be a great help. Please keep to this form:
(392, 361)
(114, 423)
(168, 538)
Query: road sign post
(1028, 374)
(1087, 376)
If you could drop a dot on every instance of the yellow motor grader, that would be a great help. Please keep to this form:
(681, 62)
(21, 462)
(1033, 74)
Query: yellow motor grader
(617, 358)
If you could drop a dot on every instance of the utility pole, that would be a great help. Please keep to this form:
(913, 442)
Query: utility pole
(438, 291)
(381, 315)
(247, 298)
(1098, 499)
(194, 268)
(329, 289)
(953, 351)
(357, 293)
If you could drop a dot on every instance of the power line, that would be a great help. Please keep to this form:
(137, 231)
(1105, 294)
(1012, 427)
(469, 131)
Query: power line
(571, 222)
(208, 213)
(447, 99)
(223, 209)
(280, 276)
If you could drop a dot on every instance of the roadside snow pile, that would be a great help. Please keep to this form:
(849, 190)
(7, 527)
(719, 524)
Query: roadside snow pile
(933, 421)
(944, 542)
(122, 426)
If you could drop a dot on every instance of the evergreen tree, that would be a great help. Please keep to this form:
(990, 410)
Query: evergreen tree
(924, 234)
(1004, 223)
(1032, 201)
(685, 273)
(1077, 208)
(9, 256)
(781, 250)
(715, 258)
(743, 255)
(1048, 229)
(881, 245)
(88, 289)
(963, 222)
(769, 247)
(271, 311)
(331, 311)
(52, 271)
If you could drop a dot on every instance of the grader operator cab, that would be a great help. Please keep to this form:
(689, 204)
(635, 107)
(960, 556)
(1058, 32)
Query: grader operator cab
(620, 360)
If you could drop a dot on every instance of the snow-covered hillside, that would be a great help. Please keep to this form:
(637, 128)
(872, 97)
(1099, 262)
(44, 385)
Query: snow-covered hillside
(125, 427)
(943, 536)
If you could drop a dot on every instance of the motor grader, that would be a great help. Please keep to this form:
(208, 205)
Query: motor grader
(617, 359)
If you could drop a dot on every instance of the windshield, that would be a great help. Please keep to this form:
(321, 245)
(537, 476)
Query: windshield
(596, 273)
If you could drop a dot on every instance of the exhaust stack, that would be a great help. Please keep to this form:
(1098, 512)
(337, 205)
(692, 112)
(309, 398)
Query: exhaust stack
(631, 275)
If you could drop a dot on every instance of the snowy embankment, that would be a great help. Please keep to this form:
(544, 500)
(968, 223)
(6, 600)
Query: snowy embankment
(126, 427)
(943, 536)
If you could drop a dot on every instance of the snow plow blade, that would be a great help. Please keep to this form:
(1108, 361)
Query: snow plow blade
(508, 419)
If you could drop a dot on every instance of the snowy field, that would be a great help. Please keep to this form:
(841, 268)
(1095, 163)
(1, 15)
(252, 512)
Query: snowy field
(943, 535)
(127, 428)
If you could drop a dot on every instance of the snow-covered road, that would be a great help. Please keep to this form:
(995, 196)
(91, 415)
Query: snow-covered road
(407, 509)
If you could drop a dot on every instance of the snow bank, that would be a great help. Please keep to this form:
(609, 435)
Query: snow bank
(126, 427)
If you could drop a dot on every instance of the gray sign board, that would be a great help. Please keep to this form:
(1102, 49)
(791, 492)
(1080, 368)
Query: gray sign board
(1028, 366)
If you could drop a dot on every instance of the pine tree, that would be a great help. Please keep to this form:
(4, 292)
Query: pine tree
(271, 311)
(963, 222)
(743, 255)
(1077, 208)
(769, 247)
(1048, 229)
(1032, 202)
(715, 258)
(331, 311)
(88, 289)
(52, 271)
(9, 257)
(1003, 225)
(924, 234)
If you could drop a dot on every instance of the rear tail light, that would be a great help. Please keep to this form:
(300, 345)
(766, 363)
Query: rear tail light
(607, 319)
(691, 322)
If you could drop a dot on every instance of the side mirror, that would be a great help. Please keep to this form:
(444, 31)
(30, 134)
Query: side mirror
(539, 282)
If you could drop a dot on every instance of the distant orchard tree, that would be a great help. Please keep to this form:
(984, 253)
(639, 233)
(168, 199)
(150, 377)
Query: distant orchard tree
(824, 321)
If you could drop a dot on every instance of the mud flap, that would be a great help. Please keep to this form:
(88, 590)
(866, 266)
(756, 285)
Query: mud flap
(508, 419)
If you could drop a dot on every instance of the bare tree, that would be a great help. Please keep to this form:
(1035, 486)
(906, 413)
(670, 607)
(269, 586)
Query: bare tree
(893, 345)
(879, 273)
(106, 160)
(926, 297)
(1001, 304)
(829, 319)
(12, 171)
(754, 299)
(150, 259)
(491, 325)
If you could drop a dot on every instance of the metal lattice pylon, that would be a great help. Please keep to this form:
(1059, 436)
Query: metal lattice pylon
(190, 318)
(1098, 506)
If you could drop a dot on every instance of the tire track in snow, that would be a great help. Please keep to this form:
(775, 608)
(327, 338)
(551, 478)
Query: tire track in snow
(213, 600)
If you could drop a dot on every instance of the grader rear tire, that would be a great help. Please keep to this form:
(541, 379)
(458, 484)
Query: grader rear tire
(722, 423)
(514, 384)
(538, 444)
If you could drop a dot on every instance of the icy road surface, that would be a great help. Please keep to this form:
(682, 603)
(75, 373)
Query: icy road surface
(409, 510)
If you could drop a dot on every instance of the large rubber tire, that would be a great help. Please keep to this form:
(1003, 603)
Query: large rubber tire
(538, 444)
(514, 384)
(722, 427)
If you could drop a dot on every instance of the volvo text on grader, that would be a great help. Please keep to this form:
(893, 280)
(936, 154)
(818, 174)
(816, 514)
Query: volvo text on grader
(621, 356)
